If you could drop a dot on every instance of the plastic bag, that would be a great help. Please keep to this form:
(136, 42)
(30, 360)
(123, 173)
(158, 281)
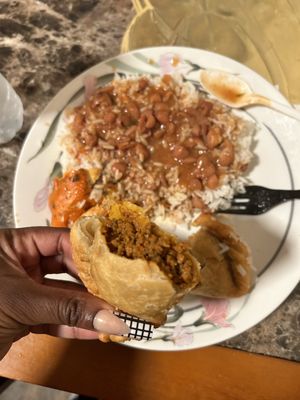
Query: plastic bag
(11, 111)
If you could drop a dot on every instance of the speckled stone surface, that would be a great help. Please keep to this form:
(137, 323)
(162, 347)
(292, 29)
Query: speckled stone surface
(43, 45)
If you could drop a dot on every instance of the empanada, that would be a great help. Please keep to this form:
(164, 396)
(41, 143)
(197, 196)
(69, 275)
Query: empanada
(131, 263)
(226, 266)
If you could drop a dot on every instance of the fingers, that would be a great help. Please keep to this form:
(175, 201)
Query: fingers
(67, 332)
(27, 302)
(67, 285)
(44, 247)
(57, 264)
(4, 349)
(39, 304)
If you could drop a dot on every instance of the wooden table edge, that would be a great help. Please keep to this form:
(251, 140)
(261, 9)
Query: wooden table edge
(111, 371)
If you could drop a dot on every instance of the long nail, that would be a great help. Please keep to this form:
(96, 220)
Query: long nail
(106, 322)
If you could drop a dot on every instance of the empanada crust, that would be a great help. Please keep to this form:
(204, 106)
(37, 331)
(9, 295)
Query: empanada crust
(227, 272)
(135, 286)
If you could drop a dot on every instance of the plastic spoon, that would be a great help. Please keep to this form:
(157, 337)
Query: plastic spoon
(234, 92)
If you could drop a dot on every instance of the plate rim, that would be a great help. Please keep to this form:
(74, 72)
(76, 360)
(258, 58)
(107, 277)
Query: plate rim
(71, 83)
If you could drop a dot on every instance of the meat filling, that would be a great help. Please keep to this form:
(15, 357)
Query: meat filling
(128, 238)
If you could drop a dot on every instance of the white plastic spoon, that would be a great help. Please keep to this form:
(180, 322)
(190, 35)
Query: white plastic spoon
(234, 92)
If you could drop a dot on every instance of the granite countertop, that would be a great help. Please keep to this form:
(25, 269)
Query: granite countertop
(44, 45)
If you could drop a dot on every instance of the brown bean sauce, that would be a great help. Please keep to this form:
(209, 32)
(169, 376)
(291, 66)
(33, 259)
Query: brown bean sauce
(151, 129)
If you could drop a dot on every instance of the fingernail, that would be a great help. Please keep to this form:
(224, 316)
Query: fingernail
(106, 322)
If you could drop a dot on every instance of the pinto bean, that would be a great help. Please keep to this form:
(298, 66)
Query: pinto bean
(195, 184)
(204, 108)
(190, 142)
(226, 156)
(205, 172)
(209, 170)
(161, 107)
(171, 128)
(190, 160)
(214, 137)
(155, 98)
(196, 130)
(125, 145)
(143, 83)
(158, 134)
(197, 202)
(147, 120)
(190, 119)
(191, 112)
(203, 161)
(88, 138)
(151, 185)
(109, 117)
(119, 168)
(150, 122)
(204, 126)
(104, 100)
(180, 151)
(205, 167)
(212, 182)
(167, 95)
(78, 123)
(133, 110)
(197, 173)
(162, 116)
(125, 119)
(100, 130)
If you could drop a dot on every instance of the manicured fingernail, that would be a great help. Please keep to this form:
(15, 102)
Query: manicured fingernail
(106, 322)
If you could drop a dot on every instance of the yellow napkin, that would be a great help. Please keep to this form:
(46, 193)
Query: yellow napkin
(265, 35)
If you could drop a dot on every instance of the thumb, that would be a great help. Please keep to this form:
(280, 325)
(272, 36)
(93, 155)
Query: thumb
(50, 305)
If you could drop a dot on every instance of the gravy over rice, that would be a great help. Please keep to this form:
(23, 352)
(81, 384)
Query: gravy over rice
(157, 142)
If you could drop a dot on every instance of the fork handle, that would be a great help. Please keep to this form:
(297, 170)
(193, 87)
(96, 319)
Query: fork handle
(287, 194)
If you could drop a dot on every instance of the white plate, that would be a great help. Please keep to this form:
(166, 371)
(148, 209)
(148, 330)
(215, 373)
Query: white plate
(273, 237)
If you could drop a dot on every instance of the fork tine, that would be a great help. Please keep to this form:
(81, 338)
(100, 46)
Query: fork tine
(243, 211)
(257, 200)
(251, 191)
(233, 210)
(240, 201)
(245, 203)
(244, 195)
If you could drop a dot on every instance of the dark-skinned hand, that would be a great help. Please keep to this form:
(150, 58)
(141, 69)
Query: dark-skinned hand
(31, 302)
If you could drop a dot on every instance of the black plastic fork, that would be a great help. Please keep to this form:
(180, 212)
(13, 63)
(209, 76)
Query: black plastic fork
(258, 200)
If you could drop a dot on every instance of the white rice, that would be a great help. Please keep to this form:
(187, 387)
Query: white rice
(180, 207)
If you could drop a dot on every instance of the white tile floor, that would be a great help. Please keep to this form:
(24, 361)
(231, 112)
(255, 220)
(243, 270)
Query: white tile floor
(25, 391)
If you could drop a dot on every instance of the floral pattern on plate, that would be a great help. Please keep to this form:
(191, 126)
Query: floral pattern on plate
(195, 322)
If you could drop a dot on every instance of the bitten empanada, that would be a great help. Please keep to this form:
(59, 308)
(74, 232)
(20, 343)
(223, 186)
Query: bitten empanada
(131, 263)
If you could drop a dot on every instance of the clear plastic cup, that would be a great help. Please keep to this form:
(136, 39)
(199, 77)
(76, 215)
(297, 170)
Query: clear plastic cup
(11, 111)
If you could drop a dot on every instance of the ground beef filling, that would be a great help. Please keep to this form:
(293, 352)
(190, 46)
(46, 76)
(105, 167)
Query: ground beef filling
(127, 238)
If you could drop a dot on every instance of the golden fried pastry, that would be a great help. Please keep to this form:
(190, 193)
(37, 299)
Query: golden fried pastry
(128, 261)
(226, 268)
